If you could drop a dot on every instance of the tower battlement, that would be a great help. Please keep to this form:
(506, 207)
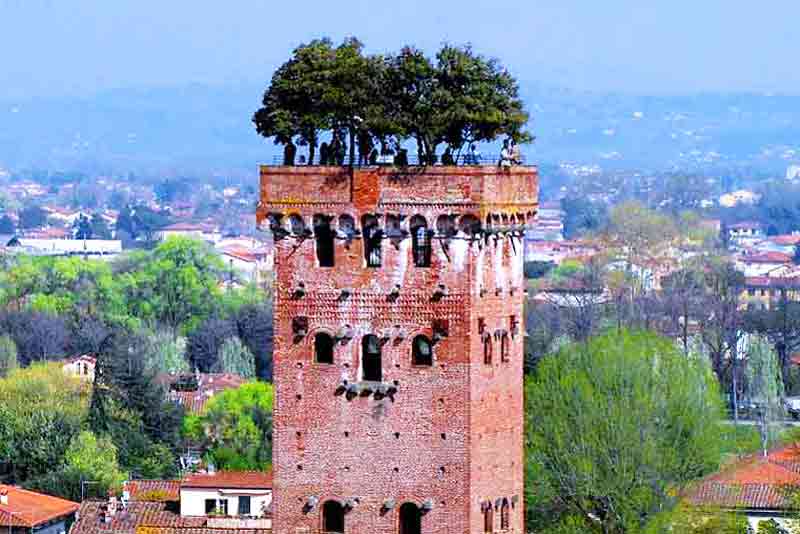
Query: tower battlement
(398, 347)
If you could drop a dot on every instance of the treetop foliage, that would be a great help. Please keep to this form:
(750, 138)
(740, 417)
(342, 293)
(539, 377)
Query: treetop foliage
(455, 98)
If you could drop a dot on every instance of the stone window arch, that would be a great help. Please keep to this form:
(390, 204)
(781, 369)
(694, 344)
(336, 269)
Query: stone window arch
(421, 351)
(333, 517)
(324, 237)
(373, 237)
(371, 359)
(505, 519)
(410, 519)
(323, 347)
(420, 241)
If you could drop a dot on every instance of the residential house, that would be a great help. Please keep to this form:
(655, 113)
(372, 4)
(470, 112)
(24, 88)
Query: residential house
(98, 248)
(227, 493)
(28, 512)
(204, 232)
(784, 244)
(743, 196)
(745, 233)
(82, 366)
(193, 391)
(247, 264)
(765, 292)
(557, 252)
(758, 486)
(755, 263)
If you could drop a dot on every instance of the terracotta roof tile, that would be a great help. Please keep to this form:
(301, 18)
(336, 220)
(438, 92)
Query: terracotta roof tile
(229, 479)
(29, 509)
(139, 490)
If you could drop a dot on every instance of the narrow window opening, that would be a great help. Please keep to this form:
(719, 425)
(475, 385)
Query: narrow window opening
(323, 348)
(421, 351)
(371, 359)
(488, 519)
(244, 505)
(487, 349)
(373, 235)
(481, 325)
(504, 347)
(333, 517)
(324, 240)
(410, 519)
(504, 515)
(297, 225)
(420, 241)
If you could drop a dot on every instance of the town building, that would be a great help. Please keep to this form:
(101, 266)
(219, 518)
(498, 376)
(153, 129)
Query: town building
(28, 512)
(96, 248)
(761, 487)
(398, 347)
(241, 494)
(82, 366)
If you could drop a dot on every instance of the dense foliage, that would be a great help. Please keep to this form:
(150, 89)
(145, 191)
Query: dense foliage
(236, 428)
(459, 97)
(614, 425)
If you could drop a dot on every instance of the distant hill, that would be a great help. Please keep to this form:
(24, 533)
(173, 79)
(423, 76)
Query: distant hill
(205, 129)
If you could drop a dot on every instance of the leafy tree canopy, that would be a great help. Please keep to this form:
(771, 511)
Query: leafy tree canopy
(456, 98)
(614, 426)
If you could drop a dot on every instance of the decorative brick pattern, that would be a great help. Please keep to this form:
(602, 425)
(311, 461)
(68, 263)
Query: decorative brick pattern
(446, 437)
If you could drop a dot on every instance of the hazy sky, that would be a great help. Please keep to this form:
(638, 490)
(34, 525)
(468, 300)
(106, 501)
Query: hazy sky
(62, 47)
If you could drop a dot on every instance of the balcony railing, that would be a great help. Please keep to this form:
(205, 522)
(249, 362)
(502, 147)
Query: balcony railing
(410, 160)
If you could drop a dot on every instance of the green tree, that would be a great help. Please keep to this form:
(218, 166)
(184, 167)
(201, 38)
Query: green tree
(614, 427)
(42, 409)
(766, 388)
(91, 458)
(235, 357)
(236, 427)
(8, 355)
(32, 217)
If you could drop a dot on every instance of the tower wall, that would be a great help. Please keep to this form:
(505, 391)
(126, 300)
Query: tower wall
(446, 437)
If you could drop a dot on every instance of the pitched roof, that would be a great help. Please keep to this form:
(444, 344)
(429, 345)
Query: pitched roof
(766, 257)
(745, 225)
(205, 530)
(29, 509)
(92, 518)
(755, 482)
(229, 480)
(208, 385)
(139, 489)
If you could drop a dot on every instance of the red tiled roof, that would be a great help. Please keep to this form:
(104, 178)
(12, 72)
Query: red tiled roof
(29, 509)
(745, 225)
(755, 482)
(206, 530)
(766, 257)
(789, 239)
(125, 521)
(209, 384)
(141, 488)
(240, 253)
(229, 480)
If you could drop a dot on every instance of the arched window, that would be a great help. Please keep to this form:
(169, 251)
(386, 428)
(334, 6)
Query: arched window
(371, 367)
(445, 226)
(373, 235)
(324, 235)
(504, 515)
(323, 348)
(333, 517)
(487, 349)
(410, 519)
(420, 241)
(421, 351)
(488, 519)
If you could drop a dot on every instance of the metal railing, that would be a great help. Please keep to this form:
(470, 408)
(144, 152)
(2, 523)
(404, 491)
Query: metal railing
(410, 160)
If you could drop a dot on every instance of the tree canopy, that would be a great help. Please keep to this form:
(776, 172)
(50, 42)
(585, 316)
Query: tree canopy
(614, 426)
(456, 98)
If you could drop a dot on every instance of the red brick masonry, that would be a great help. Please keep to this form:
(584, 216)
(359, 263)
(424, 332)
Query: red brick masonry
(449, 437)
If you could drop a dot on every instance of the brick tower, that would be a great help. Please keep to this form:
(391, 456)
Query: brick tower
(398, 347)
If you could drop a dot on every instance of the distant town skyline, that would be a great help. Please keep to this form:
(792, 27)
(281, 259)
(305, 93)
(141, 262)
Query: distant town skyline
(81, 47)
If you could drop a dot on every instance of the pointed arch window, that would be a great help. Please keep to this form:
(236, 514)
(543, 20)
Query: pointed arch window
(488, 518)
(323, 348)
(487, 349)
(323, 234)
(505, 519)
(420, 241)
(371, 364)
(373, 236)
(333, 517)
